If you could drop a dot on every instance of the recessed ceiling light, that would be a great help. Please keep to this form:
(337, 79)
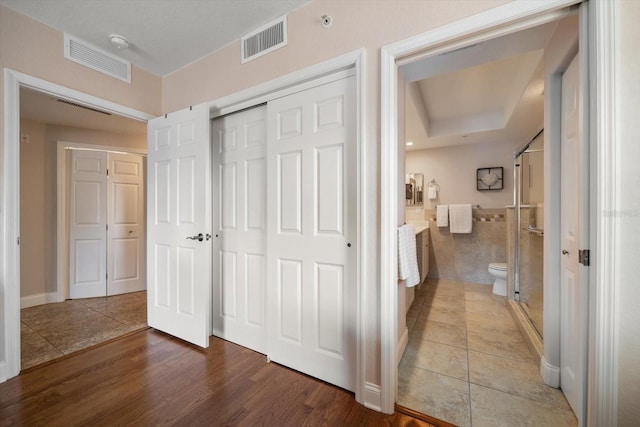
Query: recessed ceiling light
(409, 143)
(119, 41)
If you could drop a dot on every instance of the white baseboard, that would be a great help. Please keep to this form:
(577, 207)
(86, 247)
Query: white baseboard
(38, 299)
(372, 396)
(550, 374)
(3, 371)
(402, 344)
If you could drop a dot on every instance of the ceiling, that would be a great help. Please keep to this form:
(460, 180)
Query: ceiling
(489, 92)
(164, 35)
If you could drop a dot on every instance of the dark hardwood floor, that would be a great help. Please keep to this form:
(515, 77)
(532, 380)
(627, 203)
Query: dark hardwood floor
(149, 378)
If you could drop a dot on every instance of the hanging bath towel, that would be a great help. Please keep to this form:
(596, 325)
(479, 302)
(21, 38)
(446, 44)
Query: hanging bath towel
(442, 215)
(408, 255)
(461, 218)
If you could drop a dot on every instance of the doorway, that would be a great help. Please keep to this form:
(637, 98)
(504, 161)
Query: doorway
(44, 120)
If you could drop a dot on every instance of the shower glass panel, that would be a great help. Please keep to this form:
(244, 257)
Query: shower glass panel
(530, 231)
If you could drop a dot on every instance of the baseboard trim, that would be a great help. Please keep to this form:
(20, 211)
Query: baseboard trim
(402, 344)
(38, 299)
(372, 396)
(550, 374)
(3, 371)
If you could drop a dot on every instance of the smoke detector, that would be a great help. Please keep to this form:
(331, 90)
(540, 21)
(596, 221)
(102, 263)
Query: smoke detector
(119, 41)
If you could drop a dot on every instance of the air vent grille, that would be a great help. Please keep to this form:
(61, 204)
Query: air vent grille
(265, 39)
(83, 53)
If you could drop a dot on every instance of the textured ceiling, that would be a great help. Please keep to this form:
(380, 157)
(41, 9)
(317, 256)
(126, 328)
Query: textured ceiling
(165, 35)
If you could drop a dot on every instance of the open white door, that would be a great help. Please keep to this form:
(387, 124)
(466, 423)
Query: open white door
(125, 236)
(311, 232)
(88, 224)
(178, 225)
(574, 223)
(240, 186)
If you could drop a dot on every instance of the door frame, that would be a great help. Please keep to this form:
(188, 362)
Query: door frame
(367, 393)
(604, 143)
(10, 216)
(62, 229)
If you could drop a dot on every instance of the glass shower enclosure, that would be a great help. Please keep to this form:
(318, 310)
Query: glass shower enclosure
(529, 231)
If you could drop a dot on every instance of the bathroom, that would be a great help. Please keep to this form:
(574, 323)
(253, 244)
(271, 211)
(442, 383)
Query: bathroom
(471, 343)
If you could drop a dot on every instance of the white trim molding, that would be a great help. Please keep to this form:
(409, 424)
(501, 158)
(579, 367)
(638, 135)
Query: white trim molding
(39, 299)
(550, 374)
(605, 225)
(10, 215)
(506, 19)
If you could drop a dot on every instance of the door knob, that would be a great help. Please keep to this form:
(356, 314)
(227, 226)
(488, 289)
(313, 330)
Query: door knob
(199, 237)
(564, 252)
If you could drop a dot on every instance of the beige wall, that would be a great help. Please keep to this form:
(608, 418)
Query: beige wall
(38, 197)
(628, 291)
(454, 169)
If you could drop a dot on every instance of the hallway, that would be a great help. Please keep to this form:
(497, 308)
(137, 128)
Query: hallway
(53, 330)
(466, 362)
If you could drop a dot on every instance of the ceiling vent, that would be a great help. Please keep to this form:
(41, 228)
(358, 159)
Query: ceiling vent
(79, 51)
(265, 39)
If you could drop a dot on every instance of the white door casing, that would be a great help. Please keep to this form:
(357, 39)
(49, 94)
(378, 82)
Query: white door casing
(88, 224)
(126, 232)
(239, 227)
(574, 223)
(311, 231)
(178, 211)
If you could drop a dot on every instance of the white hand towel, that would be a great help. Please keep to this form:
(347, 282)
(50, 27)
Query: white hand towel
(408, 255)
(432, 192)
(442, 215)
(461, 218)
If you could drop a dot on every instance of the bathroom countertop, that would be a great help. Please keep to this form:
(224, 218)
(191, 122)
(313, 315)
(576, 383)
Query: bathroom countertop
(420, 225)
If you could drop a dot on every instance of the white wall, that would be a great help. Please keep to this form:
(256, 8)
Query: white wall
(628, 281)
(454, 169)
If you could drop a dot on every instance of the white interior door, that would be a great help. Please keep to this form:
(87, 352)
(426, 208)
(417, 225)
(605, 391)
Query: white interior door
(240, 185)
(178, 225)
(574, 205)
(311, 232)
(126, 233)
(88, 224)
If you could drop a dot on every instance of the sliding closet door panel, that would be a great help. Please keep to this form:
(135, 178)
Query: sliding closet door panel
(239, 144)
(311, 212)
(178, 211)
(126, 235)
(88, 224)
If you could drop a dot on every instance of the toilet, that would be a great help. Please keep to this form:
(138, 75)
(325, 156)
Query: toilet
(499, 272)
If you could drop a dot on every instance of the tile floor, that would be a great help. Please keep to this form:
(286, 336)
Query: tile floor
(53, 330)
(466, 362)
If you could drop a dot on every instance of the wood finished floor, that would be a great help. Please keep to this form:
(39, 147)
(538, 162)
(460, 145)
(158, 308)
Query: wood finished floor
(150, 378)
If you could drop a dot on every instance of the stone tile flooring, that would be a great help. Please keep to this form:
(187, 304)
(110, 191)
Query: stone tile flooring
(53, 330)
(466, 362)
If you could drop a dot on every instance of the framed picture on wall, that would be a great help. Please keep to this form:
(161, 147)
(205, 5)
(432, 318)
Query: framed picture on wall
(489, 179)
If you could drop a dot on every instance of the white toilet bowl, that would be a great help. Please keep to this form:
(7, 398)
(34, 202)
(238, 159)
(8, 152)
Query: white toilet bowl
(499, 272)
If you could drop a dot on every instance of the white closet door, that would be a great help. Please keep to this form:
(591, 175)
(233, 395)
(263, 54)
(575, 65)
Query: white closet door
(178, 225)
(311, 211)
(88, 224)
(239, 144)
(126, 239)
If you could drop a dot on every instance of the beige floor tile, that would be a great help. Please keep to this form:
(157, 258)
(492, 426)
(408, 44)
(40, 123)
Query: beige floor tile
(444, 333)
(442, 314)
(503, 343)
(491, 322)
(436, 357)
(513, 377)
(488, 306)
(478, 287)
(34, 349)
(495, 408)
(437, 395)
(452, 302)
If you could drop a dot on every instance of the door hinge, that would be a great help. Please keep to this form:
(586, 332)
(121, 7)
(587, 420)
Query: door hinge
(18, 240)
(583, 257)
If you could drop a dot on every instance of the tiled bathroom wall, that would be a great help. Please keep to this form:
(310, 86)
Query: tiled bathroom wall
(466, 257)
